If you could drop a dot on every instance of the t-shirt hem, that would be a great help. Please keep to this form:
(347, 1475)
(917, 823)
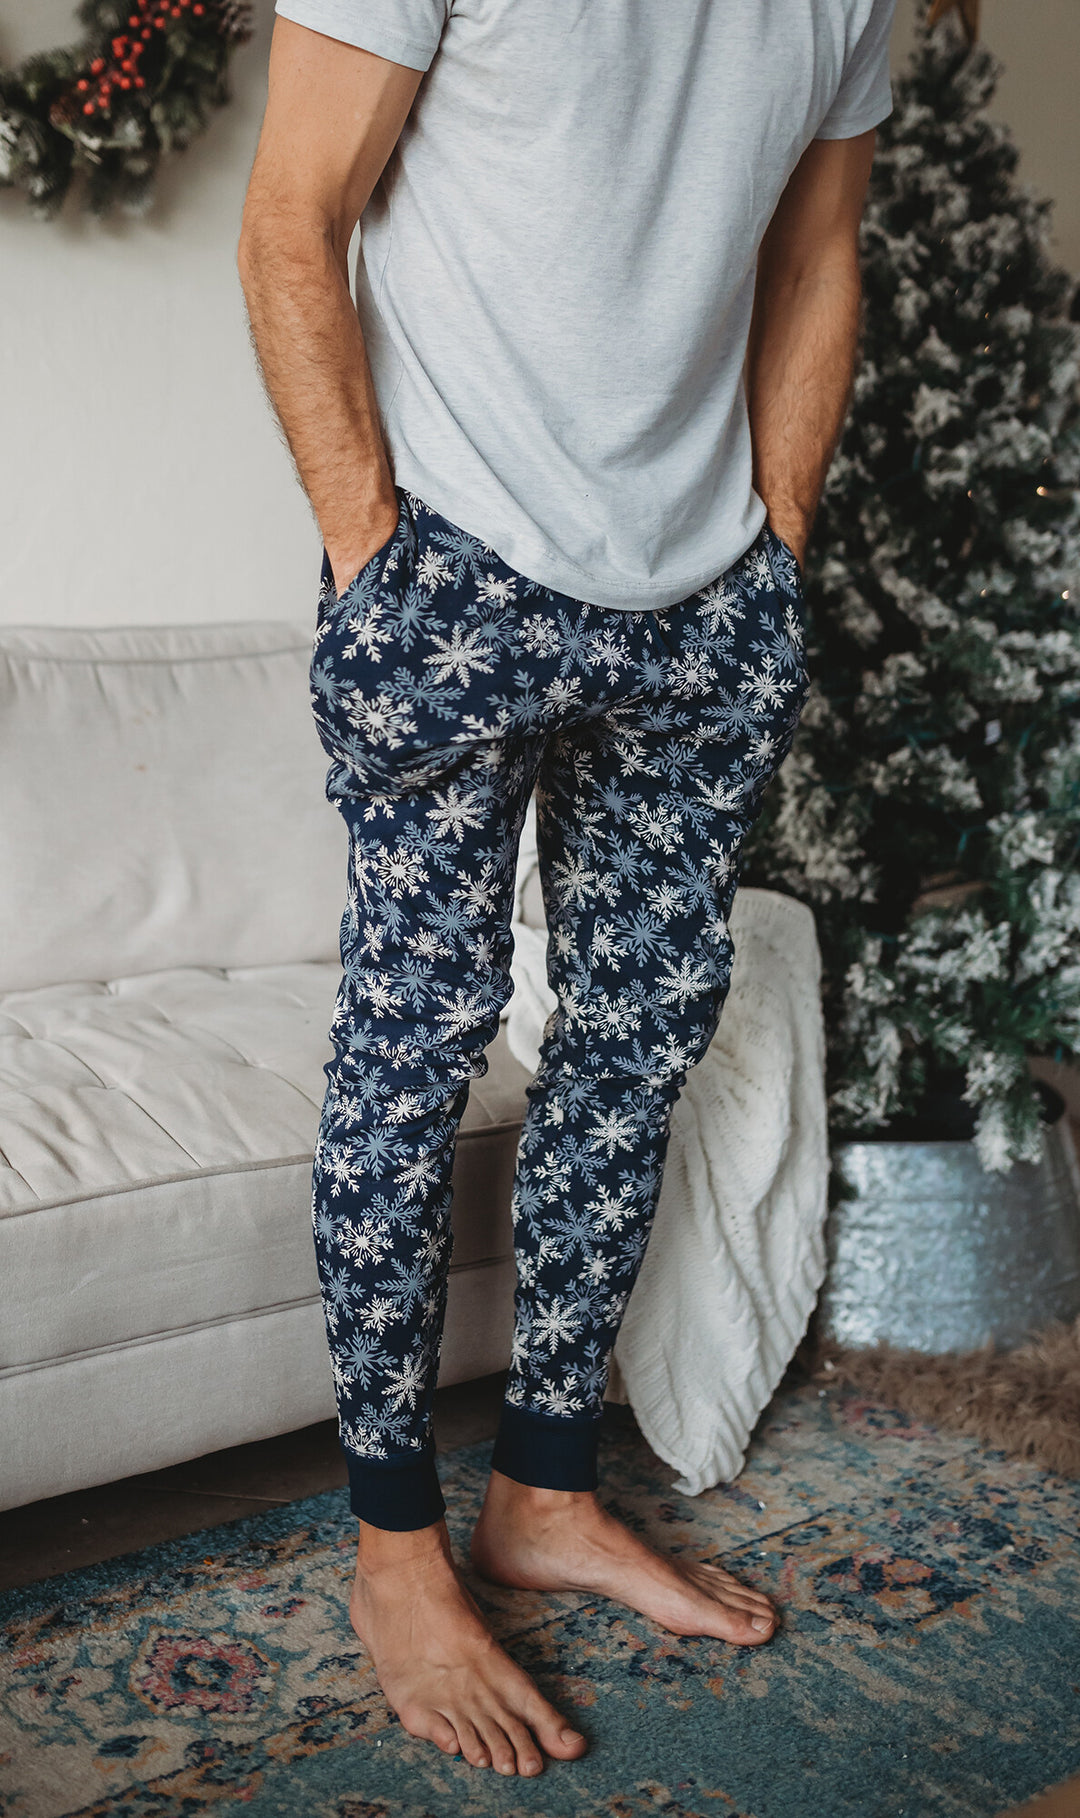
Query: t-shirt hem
(338, 19)
(563, 577)
(855, 124)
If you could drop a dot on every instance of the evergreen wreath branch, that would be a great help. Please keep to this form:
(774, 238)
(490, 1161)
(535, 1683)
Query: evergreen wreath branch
(141, 82)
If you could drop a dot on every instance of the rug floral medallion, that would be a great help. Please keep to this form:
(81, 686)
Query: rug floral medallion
(928, 1660)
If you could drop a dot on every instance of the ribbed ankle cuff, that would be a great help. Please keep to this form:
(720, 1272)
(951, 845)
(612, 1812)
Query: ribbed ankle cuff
(546, 1451)
(396, 1493)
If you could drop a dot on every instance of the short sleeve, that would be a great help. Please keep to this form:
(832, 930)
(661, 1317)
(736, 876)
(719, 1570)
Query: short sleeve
(404, 31)
(864, 98)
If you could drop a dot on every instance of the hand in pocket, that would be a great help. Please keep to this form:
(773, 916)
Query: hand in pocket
(348, 563)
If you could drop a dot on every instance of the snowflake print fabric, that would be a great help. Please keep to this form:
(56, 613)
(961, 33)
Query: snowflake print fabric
(446, 688)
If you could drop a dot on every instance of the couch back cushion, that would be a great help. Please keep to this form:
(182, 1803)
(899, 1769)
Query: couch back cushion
(161, 803)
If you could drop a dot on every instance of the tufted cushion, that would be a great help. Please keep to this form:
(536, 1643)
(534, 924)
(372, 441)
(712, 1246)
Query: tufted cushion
(157, 1143)
(162, 803)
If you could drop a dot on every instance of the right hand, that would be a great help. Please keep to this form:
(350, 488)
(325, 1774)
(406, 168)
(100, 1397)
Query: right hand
(347, 559)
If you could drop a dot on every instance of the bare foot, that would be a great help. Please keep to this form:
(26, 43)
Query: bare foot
(440, 1667)
(564, 1540)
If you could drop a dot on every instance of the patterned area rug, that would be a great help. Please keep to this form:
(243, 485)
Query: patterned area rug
(928, 1663)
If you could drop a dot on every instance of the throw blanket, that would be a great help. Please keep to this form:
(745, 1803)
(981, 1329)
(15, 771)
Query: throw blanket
(737, 1253)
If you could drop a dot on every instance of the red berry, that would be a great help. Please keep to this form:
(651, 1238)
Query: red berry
(140, 82)
(97, 66)
(88, 107)
(82, 85)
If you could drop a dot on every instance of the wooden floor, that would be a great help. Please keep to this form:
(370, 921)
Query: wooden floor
(91, 1525)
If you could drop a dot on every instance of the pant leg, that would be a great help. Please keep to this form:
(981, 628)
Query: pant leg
(641, 816)
(433, 799)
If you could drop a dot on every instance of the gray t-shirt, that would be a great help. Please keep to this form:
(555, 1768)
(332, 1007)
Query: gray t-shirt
(557, 264)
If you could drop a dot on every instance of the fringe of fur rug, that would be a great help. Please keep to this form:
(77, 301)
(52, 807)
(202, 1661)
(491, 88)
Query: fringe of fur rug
(1025, 1401)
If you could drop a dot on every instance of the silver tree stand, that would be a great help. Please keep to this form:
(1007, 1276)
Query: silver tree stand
(932, 1254)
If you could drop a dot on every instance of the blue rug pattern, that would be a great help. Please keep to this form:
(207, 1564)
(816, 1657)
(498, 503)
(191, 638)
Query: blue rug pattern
(928, 1660)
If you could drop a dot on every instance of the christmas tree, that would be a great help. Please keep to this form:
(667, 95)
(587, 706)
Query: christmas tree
(930, 809)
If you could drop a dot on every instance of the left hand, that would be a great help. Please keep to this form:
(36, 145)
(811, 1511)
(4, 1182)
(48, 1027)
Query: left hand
(792, 532)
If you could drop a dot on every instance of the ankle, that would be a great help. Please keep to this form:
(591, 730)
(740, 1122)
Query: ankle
(531, 1502)
(382, 1552)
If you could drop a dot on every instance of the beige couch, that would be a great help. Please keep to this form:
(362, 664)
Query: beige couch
(171, 883)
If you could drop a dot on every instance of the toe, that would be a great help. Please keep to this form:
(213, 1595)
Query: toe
(498, 1744)
(431, 1726)
(759, 1599)
(740, 1598)
(751, 1606)
(725, 1584)
(529, 1759)
(738, 1624)
(473, 1747)
(555, 1736)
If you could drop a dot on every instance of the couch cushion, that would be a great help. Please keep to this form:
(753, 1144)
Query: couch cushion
(163, 802)
(157, 1135)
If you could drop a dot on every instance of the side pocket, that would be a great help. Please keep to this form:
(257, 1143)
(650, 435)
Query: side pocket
(327, 591)
(785, 564)
(371, 571)
(788, 577)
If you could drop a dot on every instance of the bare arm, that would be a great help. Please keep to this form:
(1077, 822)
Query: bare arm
(805, 328)
(333, 115)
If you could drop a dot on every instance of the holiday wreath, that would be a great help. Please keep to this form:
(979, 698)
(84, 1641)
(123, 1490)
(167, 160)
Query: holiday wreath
(140, 82)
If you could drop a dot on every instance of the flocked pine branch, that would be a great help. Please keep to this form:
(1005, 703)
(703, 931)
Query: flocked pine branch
(930, 810)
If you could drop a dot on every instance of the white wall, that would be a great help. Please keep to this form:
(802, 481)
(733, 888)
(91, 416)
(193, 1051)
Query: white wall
(141, 476)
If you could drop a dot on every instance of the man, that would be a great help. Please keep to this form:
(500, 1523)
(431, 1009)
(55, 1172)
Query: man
(564, 450)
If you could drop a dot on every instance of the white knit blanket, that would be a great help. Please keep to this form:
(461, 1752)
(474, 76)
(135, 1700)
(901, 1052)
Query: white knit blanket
(737, 1253)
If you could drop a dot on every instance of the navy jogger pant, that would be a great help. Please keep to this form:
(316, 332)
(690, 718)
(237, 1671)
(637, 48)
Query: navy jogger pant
(445, 687)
